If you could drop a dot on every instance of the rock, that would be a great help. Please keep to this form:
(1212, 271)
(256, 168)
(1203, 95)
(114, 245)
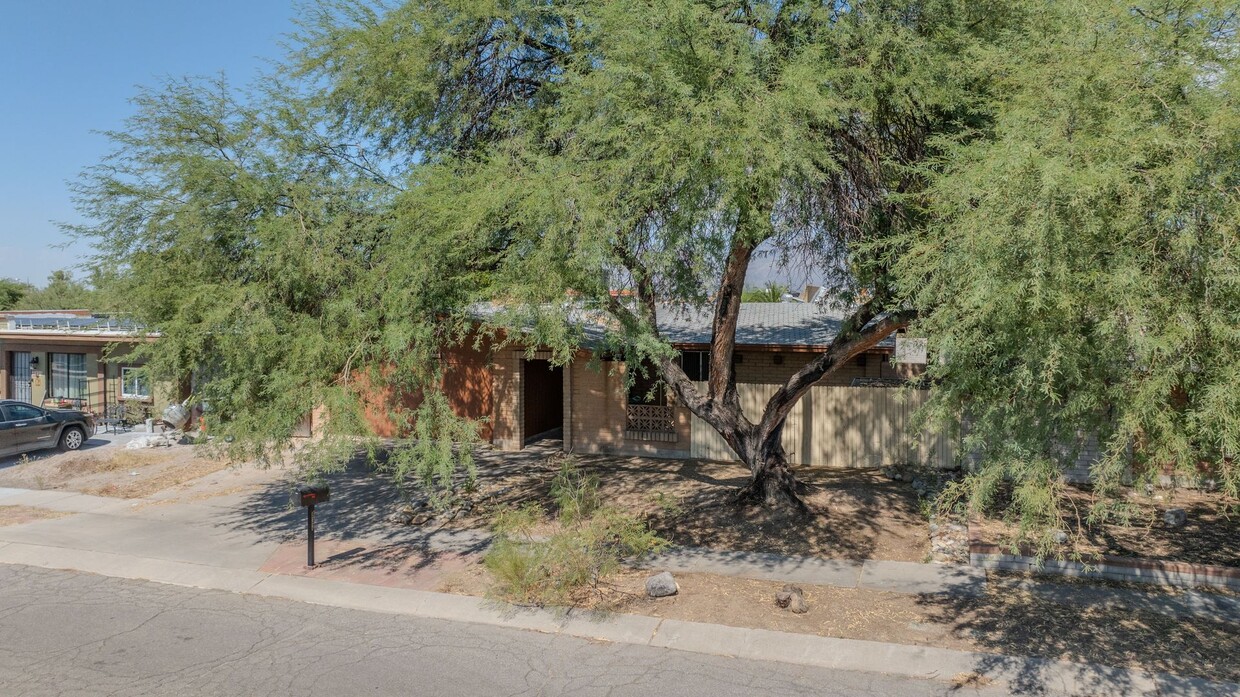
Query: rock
(158, 440)
(792, 598)
(934, 527)
(1061, 537)
(799, 606)
(1174, 517)
(661, 585)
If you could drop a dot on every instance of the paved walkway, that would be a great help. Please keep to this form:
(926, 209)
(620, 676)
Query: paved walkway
(226, 542)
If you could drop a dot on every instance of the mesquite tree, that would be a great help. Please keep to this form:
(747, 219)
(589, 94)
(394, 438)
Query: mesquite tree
(655, 147)
(1045, 190)
(1081, 268)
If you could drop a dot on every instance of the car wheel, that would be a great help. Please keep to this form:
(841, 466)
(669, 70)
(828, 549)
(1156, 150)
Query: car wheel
(72, 438)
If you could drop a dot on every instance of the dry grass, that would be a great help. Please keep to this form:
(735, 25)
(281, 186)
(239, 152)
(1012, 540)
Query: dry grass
(1211, 534)
(112, 470)
(18, 515)
(153, 480)
(110, 460)
(974, 680)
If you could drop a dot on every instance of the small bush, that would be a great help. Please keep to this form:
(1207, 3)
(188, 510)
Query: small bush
(575, 493)
(591, 543)
(669, 506)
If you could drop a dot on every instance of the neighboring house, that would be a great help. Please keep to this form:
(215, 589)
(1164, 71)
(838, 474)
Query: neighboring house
(853, 418)
(57, 358)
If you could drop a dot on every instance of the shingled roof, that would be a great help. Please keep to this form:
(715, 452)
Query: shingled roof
(759, 324)
(795, 325)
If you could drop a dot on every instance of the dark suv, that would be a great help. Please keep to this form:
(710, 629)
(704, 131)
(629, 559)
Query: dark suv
(25, 427)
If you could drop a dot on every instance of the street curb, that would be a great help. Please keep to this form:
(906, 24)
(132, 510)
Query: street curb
(756, 644)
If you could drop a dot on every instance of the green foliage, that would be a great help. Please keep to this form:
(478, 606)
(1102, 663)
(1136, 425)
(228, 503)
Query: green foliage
(339, 220)
(670, 506)
(1080, 275)
(1052, 187)
(590, 543)
(439, 458)
(575, 493)
(11, 292)
(772, 292)
(62, 292)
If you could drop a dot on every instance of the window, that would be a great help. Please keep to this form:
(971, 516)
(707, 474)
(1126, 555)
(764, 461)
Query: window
(648, 416)
(22, 412)
(134, 384)
(647, 388)
(68, 375)
(696, 365)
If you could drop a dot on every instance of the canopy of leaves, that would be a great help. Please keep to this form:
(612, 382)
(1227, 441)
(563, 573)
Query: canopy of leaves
(1081, 277)
(1051, 186)
(11, 292)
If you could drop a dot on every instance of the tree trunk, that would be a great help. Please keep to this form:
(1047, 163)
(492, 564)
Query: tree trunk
(771, 483)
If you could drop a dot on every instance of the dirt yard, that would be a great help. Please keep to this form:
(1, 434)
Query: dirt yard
(1211, 534)
(1006, 619)
(856, 515)
(110, 470)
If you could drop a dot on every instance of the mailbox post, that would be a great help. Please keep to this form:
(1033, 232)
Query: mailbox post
(309, 495)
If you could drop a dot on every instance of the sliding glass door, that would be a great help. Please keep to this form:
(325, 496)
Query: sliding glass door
(68, 377)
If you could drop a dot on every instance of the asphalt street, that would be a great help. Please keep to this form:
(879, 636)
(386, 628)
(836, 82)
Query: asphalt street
(71, 633)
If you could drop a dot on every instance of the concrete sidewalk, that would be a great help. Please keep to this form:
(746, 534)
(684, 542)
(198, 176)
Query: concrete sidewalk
(210, 544)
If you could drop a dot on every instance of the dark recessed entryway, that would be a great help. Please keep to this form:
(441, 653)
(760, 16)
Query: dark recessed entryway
(544, 400)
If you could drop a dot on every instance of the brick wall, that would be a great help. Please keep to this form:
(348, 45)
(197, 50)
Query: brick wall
(506, 414)
(598, 413)
(467, 384)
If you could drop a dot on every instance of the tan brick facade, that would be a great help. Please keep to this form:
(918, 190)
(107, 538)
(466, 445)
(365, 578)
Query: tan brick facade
(595, 398)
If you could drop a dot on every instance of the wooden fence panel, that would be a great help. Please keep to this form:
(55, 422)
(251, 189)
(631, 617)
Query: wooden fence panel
(838, 427)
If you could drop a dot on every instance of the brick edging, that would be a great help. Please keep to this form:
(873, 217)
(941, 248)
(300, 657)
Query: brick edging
(1135, 569)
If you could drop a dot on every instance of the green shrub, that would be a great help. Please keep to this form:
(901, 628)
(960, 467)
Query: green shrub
(575, 493)
(591, 544)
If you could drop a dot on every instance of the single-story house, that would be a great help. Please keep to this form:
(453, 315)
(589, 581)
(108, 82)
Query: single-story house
(58, 358)
(853, 418)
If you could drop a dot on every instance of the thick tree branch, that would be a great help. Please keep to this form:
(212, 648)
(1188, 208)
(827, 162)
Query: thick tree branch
(722, 383)
(647, 303)
(860, 333)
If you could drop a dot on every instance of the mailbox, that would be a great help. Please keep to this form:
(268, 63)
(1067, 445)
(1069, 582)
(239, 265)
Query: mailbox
(311, 494)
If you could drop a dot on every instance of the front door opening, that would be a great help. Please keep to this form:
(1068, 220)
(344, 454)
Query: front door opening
(544, 400)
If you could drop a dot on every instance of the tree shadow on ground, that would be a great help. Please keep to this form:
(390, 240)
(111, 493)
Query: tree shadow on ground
(1209, 535)
(854, 514)
(1016, 620)
(362, 501)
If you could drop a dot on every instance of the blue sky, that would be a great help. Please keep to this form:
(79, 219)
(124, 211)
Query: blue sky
(68, 67)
